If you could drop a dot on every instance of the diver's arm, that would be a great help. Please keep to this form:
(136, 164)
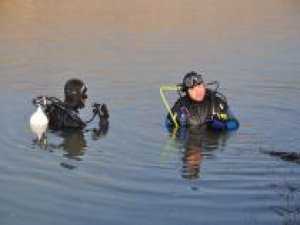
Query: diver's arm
(102, 112)
(103, 115)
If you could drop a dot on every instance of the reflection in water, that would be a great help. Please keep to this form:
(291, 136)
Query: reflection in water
(288, 191)
(191, 162)
(289, 210)
(196, 144)
(289, 156)
(102, 131)
(73, 143)
(41, 144)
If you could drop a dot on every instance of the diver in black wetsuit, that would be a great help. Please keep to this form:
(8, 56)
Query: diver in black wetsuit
(64, 115)
(201, 106)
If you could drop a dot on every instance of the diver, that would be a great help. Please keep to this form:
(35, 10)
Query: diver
(64, 115)
(200, 111)
(201, 106)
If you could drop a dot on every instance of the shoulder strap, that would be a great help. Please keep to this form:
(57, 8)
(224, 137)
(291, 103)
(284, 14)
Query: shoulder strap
(57, 103)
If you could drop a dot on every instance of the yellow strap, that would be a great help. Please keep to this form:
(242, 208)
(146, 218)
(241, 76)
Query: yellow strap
(164, 100)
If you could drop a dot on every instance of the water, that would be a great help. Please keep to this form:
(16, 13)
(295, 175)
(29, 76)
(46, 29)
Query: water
(137, 173)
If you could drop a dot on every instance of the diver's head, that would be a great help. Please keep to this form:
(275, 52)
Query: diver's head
(75, 93)
(194, 87)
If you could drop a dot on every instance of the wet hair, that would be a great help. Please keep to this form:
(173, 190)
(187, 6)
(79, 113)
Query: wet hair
(75, 93)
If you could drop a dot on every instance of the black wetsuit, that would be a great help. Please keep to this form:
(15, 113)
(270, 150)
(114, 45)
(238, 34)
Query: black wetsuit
(191, 113)
(61, 116)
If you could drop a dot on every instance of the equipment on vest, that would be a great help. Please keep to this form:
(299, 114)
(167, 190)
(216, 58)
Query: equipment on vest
(46, 101)
(39, 122)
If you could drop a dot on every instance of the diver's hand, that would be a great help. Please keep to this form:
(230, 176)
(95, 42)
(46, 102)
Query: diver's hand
(223, 122)
(104, 112)
(40, 100)
(101, 110)
(216, 124)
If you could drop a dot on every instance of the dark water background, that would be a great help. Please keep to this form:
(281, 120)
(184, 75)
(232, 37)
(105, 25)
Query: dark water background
(138, 173)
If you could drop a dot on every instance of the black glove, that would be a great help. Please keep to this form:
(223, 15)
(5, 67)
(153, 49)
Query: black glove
(101, 111)
(104, 112)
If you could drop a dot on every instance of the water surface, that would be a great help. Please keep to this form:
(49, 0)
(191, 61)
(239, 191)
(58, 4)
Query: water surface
(139, 172)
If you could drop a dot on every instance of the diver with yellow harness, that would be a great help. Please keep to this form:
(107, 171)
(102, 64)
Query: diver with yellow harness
(199, 106)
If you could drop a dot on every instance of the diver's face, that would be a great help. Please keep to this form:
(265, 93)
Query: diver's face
(197, 92)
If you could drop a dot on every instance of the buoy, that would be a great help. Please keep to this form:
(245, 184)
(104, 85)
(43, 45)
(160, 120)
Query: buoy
(39, 123)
